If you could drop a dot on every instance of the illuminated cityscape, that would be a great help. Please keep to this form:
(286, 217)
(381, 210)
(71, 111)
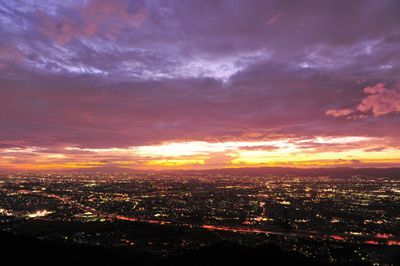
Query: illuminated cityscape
(313, 215)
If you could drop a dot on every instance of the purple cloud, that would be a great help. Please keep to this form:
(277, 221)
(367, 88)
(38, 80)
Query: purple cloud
(96, 17)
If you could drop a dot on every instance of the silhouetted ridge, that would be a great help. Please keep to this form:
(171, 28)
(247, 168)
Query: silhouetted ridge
(23, 250)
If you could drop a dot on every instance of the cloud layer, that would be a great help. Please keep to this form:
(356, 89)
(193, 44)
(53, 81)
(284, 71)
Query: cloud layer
(99, 74)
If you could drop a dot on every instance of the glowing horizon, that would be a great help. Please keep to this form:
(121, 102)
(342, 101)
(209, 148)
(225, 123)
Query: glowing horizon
(315, 152)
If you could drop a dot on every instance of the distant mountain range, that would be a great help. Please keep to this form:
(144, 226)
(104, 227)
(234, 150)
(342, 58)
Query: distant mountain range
(337, 171)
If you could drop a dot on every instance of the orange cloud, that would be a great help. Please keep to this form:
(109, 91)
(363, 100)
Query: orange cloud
(380, 101)
(339, 112)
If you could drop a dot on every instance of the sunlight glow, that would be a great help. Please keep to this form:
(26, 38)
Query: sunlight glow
(299, 152)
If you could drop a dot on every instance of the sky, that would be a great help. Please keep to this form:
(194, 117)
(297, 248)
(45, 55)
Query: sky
(199, 84)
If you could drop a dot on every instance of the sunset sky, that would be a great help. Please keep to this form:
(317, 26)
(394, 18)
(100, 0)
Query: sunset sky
(178, 84)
